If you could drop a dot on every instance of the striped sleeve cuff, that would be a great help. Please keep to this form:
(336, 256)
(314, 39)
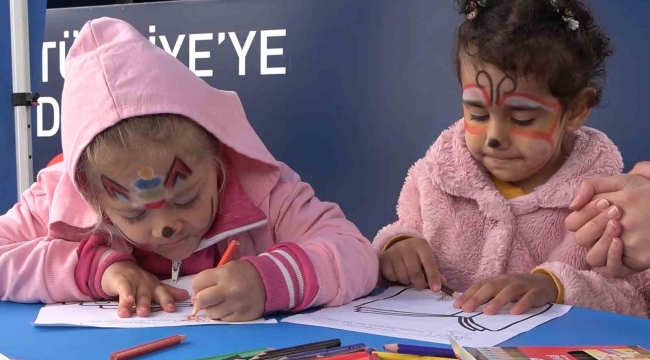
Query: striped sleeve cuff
(289, 277)
(101, 262)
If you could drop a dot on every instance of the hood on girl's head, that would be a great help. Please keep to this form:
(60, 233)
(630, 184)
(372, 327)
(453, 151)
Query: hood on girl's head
(114, 73)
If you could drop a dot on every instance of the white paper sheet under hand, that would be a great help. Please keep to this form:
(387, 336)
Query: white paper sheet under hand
(104, 314)
(422, 315)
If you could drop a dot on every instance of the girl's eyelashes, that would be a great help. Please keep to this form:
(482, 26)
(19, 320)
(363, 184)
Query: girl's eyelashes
(479, 118)
(135, 219)
(188, 204)
(523, 122)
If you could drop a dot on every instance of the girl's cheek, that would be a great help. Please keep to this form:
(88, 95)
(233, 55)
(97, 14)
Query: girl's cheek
(474, 144)
(538, 152)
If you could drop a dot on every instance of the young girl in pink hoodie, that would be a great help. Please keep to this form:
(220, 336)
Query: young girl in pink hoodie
(483, 212)
(161, 172)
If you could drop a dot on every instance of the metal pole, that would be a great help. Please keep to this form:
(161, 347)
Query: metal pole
(21, 84)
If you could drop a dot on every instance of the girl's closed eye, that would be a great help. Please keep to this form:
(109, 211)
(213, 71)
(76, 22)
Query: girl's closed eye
(134, 219)
(479, 118)
(523, 122)
(187, 204)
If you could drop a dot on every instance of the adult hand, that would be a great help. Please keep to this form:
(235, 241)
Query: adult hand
(612, 207)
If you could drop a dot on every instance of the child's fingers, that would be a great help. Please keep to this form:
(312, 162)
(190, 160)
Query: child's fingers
(526, 302)
(430, 268)
(481, 296)
(468, 294)
(387, 270)
(143, 300)
(126, 298)
(400, 267)
(205, 279)
(414, 269)
(211, 296)
(219, 312)
(504, 297)
(597, 255)
(176, 293)
(162, 297)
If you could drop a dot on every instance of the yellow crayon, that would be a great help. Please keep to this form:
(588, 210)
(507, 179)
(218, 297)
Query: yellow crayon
(394, 356)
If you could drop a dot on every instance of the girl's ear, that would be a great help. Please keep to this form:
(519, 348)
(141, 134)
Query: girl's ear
(579, 109)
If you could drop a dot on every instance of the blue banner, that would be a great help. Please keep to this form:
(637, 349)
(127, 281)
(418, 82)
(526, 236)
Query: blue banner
(348, 93)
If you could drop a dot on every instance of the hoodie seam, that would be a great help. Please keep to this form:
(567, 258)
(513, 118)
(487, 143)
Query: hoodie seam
(284, 202)
(35, 214)
(101, 63)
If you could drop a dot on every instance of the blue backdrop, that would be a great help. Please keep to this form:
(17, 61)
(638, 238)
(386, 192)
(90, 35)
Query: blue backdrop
(7, 143)
(367, 86)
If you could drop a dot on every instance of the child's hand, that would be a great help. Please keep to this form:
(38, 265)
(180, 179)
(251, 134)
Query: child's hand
(532, 290)
(132, 284)
(232, 292)
(411, 262)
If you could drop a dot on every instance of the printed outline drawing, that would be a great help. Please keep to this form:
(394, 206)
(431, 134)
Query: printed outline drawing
(112, 305)
(466, 322)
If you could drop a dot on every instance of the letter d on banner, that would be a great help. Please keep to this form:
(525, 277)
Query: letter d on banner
(56, 116)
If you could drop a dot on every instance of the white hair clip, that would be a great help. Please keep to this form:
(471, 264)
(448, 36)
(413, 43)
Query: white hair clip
(572, 23)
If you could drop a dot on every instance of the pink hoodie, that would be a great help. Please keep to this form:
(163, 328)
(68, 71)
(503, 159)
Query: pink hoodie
(306, 251)
(475, 233)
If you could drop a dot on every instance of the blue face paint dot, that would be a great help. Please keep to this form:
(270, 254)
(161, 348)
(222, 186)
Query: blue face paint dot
(148, 184)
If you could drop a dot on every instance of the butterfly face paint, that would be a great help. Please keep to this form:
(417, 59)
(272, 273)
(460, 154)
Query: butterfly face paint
(509, 127)
(149, 191)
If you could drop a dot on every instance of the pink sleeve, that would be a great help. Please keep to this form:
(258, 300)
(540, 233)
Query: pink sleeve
(409, 221)
(34, 267)
(95, 257)
(320, 258)
(594, 288)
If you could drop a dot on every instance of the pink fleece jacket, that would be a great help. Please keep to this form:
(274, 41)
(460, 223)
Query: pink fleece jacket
(306, 251)
(475, 233)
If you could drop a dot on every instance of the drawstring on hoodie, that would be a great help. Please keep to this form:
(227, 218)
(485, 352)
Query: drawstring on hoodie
(176, 268)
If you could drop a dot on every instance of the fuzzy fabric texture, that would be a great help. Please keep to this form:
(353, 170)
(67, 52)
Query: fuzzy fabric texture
(475, 233)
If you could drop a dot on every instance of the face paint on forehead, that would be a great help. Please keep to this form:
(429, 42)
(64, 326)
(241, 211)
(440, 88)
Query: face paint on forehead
(115, 190)
(154, 189)
(492, 95)
(151, 190)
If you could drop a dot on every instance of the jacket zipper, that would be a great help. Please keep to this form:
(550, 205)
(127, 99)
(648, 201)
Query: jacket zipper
(176, 268)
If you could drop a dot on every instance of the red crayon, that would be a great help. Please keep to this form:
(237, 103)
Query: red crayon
(354, 356)
(147, 348)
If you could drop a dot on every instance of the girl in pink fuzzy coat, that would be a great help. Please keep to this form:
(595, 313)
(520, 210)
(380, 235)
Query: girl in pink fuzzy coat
(483, 212)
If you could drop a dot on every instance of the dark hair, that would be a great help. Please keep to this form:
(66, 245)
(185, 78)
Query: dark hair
(530, 38)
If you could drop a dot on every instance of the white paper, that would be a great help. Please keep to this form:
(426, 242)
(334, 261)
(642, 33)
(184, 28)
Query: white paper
(426, 316)
(104, 314)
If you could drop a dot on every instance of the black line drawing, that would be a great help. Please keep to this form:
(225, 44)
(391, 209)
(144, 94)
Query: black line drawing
(470, 323)
(112, 305)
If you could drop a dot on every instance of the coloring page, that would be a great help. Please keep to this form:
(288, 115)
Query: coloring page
(104, 314)
(423, 315)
